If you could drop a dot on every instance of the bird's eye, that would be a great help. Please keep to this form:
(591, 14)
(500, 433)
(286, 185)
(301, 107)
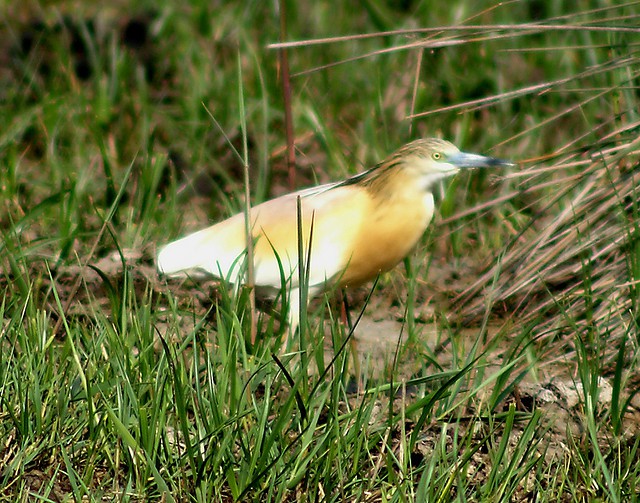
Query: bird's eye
(436, 156)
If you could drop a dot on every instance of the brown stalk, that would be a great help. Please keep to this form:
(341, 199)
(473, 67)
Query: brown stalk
(286, 95)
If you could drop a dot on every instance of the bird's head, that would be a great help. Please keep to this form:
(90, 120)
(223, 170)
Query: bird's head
(432, 159)
(419, 165)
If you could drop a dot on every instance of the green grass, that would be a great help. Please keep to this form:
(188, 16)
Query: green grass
(116, 385)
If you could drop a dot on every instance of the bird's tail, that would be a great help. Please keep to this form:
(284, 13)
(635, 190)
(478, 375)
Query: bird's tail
(183, 255)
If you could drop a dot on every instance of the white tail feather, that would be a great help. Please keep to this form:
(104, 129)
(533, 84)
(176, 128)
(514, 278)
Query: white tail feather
(183, 255)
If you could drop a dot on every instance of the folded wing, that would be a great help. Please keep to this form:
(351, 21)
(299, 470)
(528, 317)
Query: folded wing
(332, 216)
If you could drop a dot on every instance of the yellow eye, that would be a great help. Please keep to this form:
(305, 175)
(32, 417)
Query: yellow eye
(436, 156)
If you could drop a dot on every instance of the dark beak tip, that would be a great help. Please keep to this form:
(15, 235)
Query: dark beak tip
(503, 163)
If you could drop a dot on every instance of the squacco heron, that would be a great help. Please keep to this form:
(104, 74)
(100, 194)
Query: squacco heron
(352, 230)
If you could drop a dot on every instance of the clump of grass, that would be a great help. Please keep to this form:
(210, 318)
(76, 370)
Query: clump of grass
(572, 265)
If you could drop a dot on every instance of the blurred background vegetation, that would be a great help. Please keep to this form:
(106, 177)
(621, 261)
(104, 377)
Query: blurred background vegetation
(89, 92)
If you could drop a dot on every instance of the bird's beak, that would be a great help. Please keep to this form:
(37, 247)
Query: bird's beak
(466, 160)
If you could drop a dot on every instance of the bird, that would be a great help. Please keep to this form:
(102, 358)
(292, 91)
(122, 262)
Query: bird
(352, 230)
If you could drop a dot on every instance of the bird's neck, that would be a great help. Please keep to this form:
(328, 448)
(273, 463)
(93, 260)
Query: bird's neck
(397, 182)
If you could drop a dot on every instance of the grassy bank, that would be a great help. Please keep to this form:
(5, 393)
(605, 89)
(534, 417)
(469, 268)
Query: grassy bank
(505, 351)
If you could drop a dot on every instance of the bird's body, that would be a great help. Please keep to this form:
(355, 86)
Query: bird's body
(355, 229)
